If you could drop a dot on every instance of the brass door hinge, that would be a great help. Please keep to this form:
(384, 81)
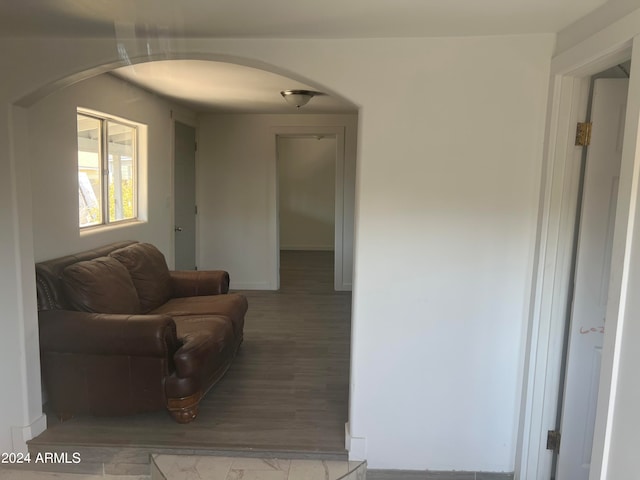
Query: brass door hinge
(583, 134)
(553, 440)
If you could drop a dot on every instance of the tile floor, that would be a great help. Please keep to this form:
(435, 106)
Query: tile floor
(180, 467)
(185, 467)
(193, 467)
(10, 474)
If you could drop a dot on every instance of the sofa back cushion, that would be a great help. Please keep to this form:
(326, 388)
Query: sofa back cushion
(51, 292)
(101, 285)
(149, 272)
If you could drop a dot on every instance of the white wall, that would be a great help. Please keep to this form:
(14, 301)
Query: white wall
(306, 192)
(21, 415)
(447, 212)
(236, 186)
(446, 204)
(53, 150)
(596, 21)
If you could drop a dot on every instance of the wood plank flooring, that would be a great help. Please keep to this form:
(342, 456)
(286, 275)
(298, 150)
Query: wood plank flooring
(286, 391)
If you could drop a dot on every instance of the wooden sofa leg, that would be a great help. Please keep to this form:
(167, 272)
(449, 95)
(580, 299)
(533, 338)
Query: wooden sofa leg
(185, 409)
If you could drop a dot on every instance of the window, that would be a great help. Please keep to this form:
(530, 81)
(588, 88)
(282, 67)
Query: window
(107, 170)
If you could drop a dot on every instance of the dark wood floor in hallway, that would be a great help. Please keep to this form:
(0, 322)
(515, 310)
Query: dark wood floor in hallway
(287, 390)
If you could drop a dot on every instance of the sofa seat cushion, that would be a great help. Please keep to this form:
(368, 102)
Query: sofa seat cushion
(149, 272)
(101, 285)
(232, 305)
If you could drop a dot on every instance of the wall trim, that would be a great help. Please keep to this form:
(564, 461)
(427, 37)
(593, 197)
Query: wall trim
(440, 475)
(311, 248)
(250, 286)
(356, 446)
(547, 315)
(21, 435)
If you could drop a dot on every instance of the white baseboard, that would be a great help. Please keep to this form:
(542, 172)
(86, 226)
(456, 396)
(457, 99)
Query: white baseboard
(347, 436)
(250, 286)
(21, 435)
(314, 248)
(357, 446)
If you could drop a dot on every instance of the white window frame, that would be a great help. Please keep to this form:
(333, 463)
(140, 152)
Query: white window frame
(104, 119)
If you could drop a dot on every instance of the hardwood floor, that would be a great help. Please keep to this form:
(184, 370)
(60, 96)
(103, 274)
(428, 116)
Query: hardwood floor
(286, 391)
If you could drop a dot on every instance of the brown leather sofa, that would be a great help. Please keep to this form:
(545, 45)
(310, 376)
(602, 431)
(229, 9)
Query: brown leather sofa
(121, 334)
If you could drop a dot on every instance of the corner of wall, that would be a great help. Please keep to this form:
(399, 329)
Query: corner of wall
(21, 435)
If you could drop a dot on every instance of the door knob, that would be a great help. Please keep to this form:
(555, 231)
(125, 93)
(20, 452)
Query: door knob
(178, 229)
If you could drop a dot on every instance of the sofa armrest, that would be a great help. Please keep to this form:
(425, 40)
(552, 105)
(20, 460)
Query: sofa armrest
(189, 283)
(66, 331)
(192, 357)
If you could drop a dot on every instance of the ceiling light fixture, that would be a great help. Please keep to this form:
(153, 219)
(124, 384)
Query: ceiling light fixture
(298, 98)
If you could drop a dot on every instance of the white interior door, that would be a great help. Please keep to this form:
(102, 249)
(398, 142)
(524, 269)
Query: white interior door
(593, 268)
(185, 196)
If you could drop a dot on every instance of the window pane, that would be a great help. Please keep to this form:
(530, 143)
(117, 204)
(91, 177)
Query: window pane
(122, 183)
(89, 171)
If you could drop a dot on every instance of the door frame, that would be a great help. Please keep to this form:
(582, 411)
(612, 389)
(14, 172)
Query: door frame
(338, 132)
(190, 120)
(571, 416)
(568, 97)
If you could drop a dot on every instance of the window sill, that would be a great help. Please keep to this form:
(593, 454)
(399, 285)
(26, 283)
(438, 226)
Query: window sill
(87, 231)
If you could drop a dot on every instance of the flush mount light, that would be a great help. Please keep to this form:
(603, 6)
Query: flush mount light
(299, 98)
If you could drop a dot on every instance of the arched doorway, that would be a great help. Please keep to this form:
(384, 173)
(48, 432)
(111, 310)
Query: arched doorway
(26, 153)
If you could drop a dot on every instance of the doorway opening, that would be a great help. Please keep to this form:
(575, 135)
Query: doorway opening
(313, 208)
(271, 398)
(551, 297)
(306, 180)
